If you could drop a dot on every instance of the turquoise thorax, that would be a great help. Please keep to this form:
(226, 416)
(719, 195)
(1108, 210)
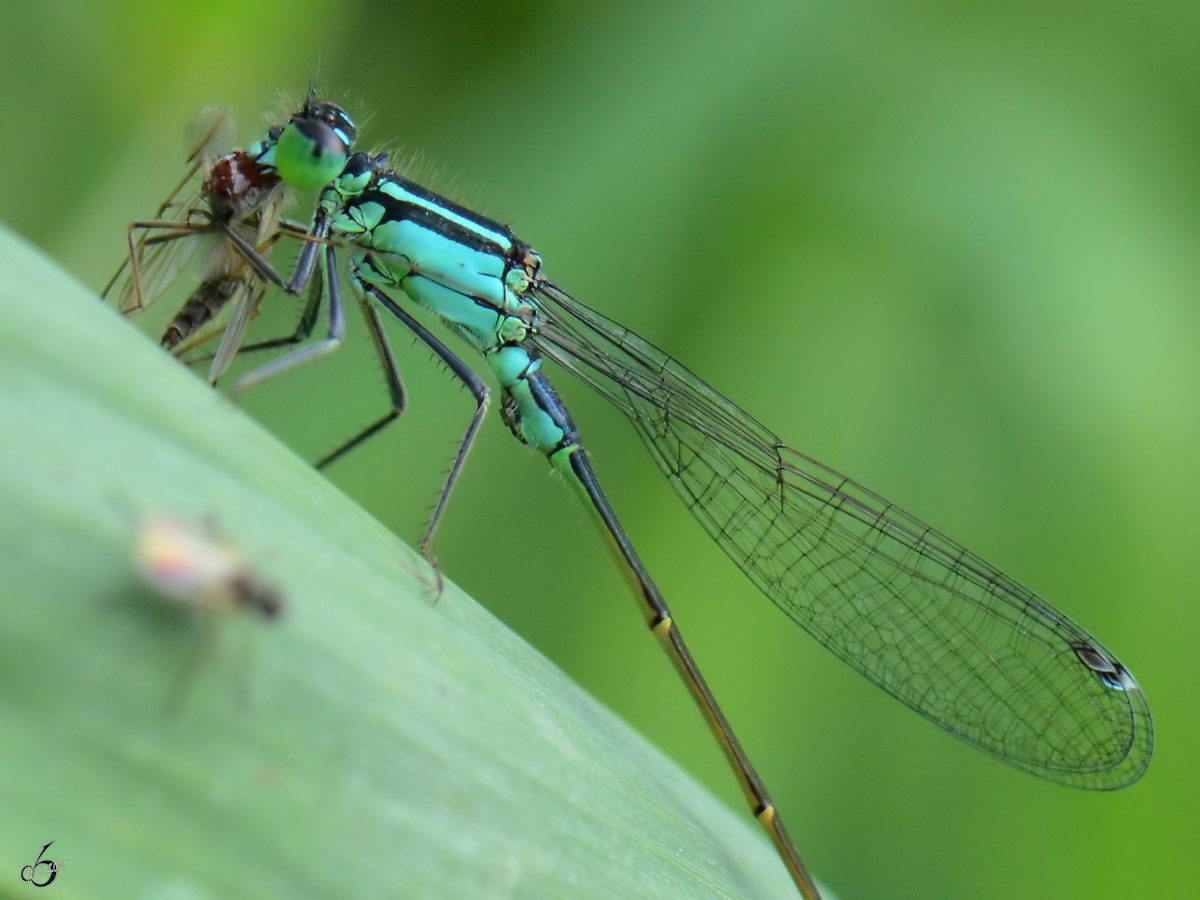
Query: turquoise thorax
(470, 272)
(404, 239)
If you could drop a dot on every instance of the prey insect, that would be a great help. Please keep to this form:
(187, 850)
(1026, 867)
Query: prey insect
(236, 209)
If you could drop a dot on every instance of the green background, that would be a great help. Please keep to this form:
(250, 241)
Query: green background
(950, 249)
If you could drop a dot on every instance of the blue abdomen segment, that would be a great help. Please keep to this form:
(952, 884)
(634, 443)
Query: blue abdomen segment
(530, 405)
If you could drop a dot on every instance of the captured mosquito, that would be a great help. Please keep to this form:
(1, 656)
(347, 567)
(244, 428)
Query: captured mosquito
(237, 207)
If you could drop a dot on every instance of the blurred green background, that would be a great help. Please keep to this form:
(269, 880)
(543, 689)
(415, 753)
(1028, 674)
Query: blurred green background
(949, 248)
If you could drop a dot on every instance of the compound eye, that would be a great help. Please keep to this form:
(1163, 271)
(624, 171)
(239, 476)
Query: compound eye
(335, 117)
(315, 145)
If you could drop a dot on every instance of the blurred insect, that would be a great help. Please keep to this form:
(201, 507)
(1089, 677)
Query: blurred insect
(200, 570)
(205, 576)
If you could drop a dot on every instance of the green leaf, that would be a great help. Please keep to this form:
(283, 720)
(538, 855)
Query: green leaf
(371, 742)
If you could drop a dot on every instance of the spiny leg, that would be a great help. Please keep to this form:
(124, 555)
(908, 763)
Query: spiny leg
(391, 370)
(395, 384)
(336, 334)
(305, 265)
(251, 254)
(304, 328)
(478, 389)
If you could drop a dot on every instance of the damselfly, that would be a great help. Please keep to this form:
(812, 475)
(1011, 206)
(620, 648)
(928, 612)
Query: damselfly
(930, 622)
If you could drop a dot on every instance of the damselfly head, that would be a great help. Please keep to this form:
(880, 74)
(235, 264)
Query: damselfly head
(315, 144)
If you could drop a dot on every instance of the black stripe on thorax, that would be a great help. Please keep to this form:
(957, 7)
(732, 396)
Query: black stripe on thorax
(427, 218)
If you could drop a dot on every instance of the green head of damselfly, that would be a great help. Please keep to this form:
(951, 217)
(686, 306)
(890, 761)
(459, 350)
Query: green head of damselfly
(315, 144)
